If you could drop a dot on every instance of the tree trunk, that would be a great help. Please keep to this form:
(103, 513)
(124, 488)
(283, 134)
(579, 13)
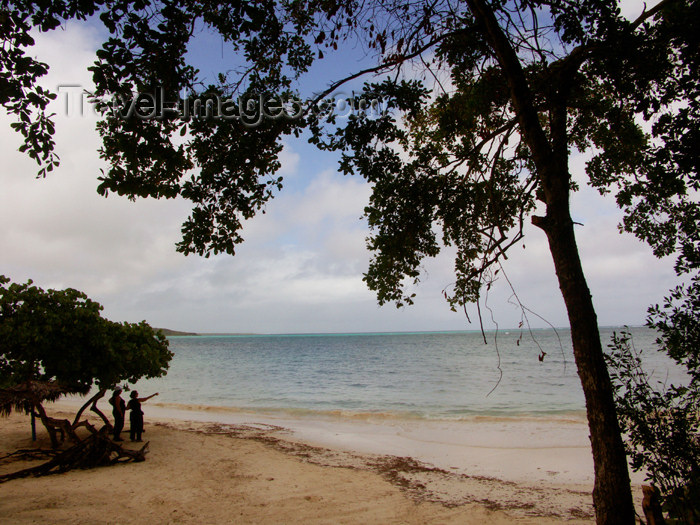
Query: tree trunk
(55, 426)
(612, 496)
(92, 401)
(55, 443)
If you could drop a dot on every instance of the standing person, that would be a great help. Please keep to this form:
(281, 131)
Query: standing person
(118, 410)
(136, 415)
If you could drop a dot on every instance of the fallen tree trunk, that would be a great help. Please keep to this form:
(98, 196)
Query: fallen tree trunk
(96, 450)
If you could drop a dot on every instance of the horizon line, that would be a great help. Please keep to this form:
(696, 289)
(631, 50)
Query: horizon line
(179, 333)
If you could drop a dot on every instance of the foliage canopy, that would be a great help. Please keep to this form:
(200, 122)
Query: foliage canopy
(60, 336)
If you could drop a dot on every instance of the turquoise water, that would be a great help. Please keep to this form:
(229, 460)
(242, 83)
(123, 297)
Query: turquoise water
(450, 375)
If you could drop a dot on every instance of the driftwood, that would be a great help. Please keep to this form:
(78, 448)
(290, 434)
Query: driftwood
(96, 450)
(28, 454)
(651, 505)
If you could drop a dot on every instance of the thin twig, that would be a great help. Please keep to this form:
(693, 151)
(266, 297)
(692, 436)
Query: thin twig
(495, 343)
(527, 321)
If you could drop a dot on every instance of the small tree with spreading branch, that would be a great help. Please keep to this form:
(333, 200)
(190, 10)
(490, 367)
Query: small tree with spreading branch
(57, 341)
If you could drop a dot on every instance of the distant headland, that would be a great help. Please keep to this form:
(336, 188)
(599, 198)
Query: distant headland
(169, 332)
(174, 333)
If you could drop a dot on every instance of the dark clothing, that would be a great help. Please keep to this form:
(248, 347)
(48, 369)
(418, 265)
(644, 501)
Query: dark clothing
(136, 419)
(118, 415)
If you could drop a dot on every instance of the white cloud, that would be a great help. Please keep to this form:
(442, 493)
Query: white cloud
(59, 230)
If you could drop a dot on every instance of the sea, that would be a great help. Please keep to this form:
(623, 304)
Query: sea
(426, 375)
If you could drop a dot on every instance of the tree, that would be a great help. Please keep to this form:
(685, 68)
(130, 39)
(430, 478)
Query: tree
(58, 339)
(474, 147)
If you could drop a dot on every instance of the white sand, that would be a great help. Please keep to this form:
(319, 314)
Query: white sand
(527, 467)
(512, 449)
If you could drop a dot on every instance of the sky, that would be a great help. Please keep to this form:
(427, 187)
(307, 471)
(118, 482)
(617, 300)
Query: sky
(300, 267)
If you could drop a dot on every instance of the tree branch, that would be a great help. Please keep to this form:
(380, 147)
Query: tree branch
(397, 61)
(92, 400)
(646, 15)
(520, 91)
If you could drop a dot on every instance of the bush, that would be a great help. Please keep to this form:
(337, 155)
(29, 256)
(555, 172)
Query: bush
(662, 422)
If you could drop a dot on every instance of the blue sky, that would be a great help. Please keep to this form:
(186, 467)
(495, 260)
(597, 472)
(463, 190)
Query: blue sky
(300, 268)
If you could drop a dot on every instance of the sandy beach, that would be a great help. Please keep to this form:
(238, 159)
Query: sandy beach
(216, 466)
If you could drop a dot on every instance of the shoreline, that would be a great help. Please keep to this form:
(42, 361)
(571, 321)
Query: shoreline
(552, 450)
(524, 468)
